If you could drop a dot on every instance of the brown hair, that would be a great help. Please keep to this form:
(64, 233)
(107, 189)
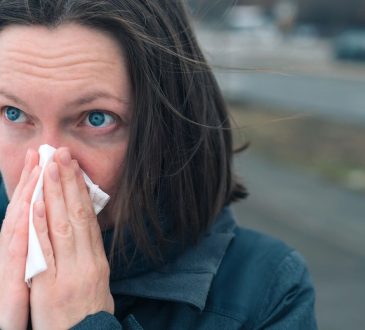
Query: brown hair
(178, 162)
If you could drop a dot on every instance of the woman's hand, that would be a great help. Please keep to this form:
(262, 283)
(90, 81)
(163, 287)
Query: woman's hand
(14, 293)
(76, 283)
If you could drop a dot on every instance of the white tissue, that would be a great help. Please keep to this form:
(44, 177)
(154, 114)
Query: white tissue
(36, 263)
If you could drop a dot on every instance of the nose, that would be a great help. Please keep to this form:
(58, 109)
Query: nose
(52, 136)
(56, 136)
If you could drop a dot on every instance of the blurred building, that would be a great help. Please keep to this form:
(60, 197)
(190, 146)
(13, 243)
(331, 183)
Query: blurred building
(332, 15)
(328, 16)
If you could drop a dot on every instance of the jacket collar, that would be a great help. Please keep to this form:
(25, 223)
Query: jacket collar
(188, 278)
(3, 201)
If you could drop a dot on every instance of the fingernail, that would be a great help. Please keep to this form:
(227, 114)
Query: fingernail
(40, 209)
(65, 157)
(53, 172)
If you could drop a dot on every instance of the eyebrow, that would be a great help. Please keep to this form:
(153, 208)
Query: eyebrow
(12, 97)
(83, 100)
(92, 96)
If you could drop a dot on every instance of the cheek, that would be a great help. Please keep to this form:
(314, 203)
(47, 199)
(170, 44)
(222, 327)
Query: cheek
(107, 169)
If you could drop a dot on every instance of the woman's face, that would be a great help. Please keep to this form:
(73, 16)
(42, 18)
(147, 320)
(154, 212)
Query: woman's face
(64, 87)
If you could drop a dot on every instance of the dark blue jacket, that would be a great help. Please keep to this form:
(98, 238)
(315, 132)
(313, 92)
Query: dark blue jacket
(235, 278)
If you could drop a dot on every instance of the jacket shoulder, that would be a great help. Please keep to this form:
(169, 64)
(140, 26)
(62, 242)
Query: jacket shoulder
(257, 274)
(250, 260)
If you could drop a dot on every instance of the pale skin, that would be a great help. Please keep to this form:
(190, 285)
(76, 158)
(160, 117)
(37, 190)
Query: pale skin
(67, 87)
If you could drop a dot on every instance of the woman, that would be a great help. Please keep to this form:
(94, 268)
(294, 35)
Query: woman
(121, 89)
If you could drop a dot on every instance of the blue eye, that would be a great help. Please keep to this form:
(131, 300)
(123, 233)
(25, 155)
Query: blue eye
(99, 119)
(14, 114)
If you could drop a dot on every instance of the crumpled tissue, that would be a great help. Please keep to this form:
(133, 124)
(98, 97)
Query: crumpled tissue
(36, 263)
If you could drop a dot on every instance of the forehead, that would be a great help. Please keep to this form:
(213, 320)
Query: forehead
(70, 54)
(65, 40)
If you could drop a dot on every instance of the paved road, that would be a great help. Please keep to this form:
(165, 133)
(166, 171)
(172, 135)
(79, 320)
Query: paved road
(325, 223)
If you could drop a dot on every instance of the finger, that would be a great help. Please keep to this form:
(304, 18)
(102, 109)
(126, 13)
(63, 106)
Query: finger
(28, 190)
(17, 246)
(41, 227)
(95, 232)
(9, 223)
(24, 175)
(31, 160)
(59, 227)
(13, 210)
(79, 211)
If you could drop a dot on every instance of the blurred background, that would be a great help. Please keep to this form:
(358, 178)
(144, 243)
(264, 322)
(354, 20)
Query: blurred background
(293, 74)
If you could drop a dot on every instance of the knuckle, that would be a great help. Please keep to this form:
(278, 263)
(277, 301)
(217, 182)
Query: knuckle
(82, 215)
(106, 270)
(63, 228)
(92, 272)
(48, 252)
